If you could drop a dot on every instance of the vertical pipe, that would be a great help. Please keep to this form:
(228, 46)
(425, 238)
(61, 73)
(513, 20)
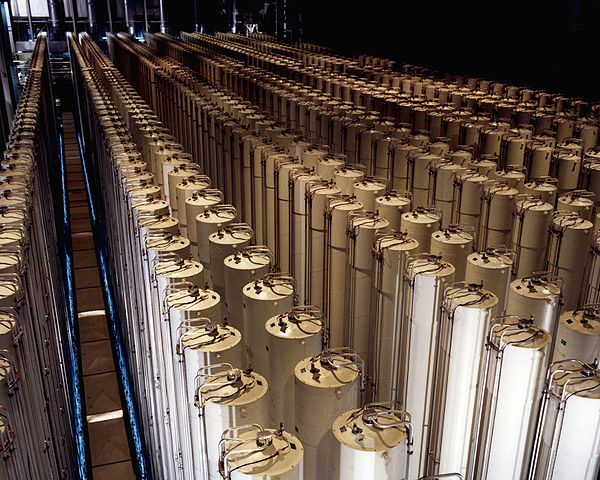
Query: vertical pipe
(53, 17)
(90, 13)
(73, 8)
(162, 16)
(196, 24)
(28, 4)
(128, 22)
(146, 27)
(108, 9)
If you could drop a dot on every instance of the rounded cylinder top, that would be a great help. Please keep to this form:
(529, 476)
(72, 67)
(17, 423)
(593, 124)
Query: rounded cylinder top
(373, 428)
(490, 259)
(180, 268)
(266, 454)
(572, 377)
(192, 299)
(535, 287)
(469, 296)
(233, 387)
(268, 290)
(210, 337)
(585, 321)
(295, 324)
(327, 370)
(521, 333)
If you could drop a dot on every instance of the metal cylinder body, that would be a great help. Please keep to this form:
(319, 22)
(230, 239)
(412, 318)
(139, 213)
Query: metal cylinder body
(426, 278)
(578, 201)
(496, 215)
(542, 188)
(261, 454)
(453, 245)
(530, 234)
(345, 179)
(291, 337)
(578, 335)
(222, 243)
(391, 206)
(317, 197)
(469, 190)
(237, 398)
(391, 253)
(261, 300)
(362, 229)
(491, 268)
(331, 381)
(568, 439)
(338, 211)
(508, 400)
(420, 224)
(568, 250)
(371, 443)
(208, 222)
(467, 311)
(536, 296)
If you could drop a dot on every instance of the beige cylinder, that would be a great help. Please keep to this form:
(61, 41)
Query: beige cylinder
(485, 166)
(263, 299)
(391, 206)
(492, 269)
(536, 296)
(240, 269)
(184, 190)
(291, 337)
(225, 242)
(366, 191)
(530, 234)
(420, 224)
(194, 206)
(578, 335)
(513, 178)
(577, 201)
(454, 245)
(545, 188)
(497, 215)
(326, 386)
(568, 252)
(327, 166)
(422, 184)
(444, 194)
(346, 177)
(338, 210)
(470, 190)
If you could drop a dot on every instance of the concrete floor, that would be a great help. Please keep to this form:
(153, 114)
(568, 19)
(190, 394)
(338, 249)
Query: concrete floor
(107, 435)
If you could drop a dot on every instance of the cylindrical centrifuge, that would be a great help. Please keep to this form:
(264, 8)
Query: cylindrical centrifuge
(250, 452)
(537, 296)
(466, 314)
(578, 335)
(291, 337)
(511, 383)
(327, 385)
(568, 436)
(373, 442)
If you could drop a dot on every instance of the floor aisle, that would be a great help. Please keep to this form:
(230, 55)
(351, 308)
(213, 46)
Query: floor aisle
(110, 453)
